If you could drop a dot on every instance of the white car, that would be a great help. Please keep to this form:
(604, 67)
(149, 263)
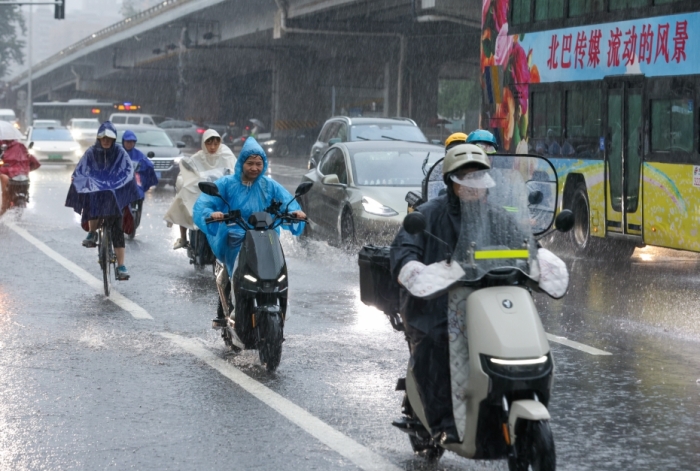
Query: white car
(84, 130)
(53, 144)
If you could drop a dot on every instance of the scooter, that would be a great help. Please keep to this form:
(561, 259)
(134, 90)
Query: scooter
(198, 250)
(501, 366)
(254, 298)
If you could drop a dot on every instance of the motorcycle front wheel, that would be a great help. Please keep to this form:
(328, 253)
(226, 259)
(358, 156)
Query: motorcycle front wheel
(534, 447)
(270, 348)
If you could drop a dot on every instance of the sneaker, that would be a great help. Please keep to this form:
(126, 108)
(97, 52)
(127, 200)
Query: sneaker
(180, 243)
(91, 240)
(122, 273)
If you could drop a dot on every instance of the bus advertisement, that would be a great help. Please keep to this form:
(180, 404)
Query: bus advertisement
(609, 97)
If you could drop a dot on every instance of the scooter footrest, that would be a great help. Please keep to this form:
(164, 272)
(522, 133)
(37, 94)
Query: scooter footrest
(401, 384)
(408, 425)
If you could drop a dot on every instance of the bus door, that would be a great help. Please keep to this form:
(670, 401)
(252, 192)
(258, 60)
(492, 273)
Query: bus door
(623, 154)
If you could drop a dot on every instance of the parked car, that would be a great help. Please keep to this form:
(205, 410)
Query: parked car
(185, 131)
(136, 118)
(84, 130)
(53, 144)
(344, 129)
(155, 143)
(360, 188)
(289, 145)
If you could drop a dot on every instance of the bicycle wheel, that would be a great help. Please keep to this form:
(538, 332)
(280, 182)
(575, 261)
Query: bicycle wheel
(106, 259)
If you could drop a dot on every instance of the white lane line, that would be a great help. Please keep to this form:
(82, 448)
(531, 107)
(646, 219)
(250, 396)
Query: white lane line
(117, 298)
(576, 345)
(361, 456)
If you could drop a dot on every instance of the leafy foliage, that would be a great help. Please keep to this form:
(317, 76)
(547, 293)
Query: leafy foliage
(11, 21)
(458, 96)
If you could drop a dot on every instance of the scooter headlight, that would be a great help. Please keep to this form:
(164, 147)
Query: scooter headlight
(250, 278)
(519, 368)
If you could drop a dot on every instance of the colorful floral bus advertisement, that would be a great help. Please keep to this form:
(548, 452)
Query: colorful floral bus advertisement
(509, 63)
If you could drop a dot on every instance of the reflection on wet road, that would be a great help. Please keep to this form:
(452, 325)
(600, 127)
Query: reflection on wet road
(87, 386)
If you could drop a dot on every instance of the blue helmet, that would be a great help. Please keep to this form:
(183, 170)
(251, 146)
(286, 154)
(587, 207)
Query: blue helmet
(485, 139)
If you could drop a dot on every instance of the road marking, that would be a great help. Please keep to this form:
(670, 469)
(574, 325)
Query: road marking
(576, 345)
(117, 298)
(361, 456)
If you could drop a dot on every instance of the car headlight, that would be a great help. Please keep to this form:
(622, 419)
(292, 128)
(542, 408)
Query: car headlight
(36, 148)
(177, 160)
(375, 207)
(269, 143)
(78, 152)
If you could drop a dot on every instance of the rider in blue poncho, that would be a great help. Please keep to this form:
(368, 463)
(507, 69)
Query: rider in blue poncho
(247, 190)
(102, 187)
(145, 172)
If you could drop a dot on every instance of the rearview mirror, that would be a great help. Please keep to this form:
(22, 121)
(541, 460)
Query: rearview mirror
(437, 142)
(331, 179)
(535, 197)
(180, 145)
(333, 141)
(209, 188)
(303, 188)
(565, 221)
(414, 223)
(31, 144)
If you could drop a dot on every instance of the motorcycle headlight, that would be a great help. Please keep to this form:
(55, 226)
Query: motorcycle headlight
(520, 368)
(375, 207)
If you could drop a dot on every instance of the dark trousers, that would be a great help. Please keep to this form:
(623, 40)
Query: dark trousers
(114, 225)
(430, 361)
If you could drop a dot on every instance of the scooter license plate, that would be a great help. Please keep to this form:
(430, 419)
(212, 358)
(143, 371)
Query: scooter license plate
(55, 157)
(158, 174)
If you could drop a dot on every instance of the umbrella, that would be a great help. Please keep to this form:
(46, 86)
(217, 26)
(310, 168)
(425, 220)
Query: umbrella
(8, 132)
(257, 123)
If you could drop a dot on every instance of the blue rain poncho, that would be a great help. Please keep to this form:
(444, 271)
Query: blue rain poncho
(103, 181)
(225, 241)
(146, 173)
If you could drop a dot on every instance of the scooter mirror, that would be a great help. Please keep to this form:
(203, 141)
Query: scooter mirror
(209, 188)
(31, 144)
(564, 221)
(535, 197)
(303, 188)
(414, 223)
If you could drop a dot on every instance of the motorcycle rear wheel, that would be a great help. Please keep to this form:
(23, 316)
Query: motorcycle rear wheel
(270, 349)
(534, 447)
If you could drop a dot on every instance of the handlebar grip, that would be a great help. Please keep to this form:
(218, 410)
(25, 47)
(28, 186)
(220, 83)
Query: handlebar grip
(208, 220)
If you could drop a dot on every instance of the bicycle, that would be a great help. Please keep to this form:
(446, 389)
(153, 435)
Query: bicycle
(106, 256)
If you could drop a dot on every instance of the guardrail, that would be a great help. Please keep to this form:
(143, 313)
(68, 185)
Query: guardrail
(125, 24)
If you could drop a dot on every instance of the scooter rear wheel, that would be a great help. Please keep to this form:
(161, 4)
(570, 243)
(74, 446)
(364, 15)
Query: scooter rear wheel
(534, 447)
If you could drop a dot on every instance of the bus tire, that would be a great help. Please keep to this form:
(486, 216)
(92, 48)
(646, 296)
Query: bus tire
(581, 238)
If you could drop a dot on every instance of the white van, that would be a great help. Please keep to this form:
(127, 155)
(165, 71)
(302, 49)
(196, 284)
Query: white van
(136, 118)
(7, 114)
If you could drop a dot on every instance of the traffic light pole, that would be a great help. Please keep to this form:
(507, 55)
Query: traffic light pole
(58, 14)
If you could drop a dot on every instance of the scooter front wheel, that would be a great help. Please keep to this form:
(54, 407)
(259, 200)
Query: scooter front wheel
(534, 447)
(270, 350)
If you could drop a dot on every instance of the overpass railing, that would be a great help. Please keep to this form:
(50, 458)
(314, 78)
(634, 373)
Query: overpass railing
(141, 17)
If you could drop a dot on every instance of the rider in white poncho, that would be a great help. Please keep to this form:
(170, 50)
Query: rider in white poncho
(209, 164)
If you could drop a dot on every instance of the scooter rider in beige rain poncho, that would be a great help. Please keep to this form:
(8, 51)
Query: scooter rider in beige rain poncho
(209, 164)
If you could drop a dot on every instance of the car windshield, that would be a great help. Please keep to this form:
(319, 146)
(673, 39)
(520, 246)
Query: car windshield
(87, 124)
(149, 138)
(391, 168)
(386, 132)
(51, 134)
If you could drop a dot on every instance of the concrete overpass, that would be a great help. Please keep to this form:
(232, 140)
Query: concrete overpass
(281, 61)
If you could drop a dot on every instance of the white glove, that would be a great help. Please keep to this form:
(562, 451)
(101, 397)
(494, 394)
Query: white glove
(554, 277)
(429, 281)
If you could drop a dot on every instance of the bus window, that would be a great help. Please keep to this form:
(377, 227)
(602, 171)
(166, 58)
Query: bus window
(582, 123)
(546, 119)
(625, 4)
(672, 125)
(584, 7)
(548, 9)
(119, 120)
(521, 12)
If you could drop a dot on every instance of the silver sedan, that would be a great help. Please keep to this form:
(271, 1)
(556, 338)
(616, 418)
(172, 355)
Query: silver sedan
(359, 192)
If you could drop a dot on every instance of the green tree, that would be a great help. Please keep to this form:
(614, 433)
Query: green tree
(458, 96)
(11, 22)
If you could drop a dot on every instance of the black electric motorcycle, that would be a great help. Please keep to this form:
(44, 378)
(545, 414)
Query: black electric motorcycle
(253, 301)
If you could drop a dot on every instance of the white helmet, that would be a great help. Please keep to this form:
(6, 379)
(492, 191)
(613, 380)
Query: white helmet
(464, 154)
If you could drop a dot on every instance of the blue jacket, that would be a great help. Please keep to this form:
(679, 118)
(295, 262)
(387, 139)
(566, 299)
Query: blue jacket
(103, 181)
(225, 241)
(146, 172)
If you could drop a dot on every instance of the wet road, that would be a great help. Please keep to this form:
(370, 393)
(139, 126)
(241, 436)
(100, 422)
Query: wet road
(86, 385)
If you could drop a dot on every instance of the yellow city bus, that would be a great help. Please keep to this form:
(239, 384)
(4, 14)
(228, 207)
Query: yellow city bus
(607, 90)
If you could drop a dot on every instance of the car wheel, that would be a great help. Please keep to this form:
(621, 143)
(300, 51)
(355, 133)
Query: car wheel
(347, 229)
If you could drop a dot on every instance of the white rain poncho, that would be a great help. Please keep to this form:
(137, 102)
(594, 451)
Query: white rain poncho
(201, 167)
